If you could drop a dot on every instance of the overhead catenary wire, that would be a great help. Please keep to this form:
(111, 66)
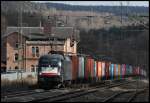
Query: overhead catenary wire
(20, 38)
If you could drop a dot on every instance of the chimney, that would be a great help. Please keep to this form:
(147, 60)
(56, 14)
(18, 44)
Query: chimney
(47, 26)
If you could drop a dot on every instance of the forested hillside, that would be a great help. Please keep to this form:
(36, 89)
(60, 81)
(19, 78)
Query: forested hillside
(34, 12)
(129, 45)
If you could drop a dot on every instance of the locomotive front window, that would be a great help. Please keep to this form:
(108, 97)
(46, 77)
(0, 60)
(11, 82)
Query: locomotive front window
(46, 68)
(54, 62)
(44, 61)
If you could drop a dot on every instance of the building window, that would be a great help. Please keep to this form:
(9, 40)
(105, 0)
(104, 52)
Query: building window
(32, 68)
(33, 51)
(17, 45)
(16, 68)
(71, 42)
(16, 56)
(36, 68)
(37, 51)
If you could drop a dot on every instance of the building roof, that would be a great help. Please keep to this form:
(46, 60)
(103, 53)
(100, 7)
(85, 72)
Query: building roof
(38, 32)
(65, 32)
(37, 36)
(25, 30)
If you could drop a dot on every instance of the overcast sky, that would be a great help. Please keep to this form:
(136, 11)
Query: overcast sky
(109, 3)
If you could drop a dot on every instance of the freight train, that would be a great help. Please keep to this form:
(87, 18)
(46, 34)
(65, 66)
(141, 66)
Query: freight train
(54, 69)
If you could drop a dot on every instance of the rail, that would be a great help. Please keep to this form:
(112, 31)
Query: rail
(74, 94)
(134, 93)
(61, 96)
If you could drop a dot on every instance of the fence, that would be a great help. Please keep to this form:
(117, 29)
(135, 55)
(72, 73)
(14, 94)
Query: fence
(17, 75)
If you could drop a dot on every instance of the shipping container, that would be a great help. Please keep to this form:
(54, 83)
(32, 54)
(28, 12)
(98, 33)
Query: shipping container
(127, 70)
(95, 69)
(81, 67)
(123, 71)
(130, 69)
(112, 71)
(138, 70)
(99, 70)
(92, 68)
(87, 68)
(119, 71)
(75, 66)
(134, 70)
(142, 72)
(67, 65)
(107, 70)
(103, 70)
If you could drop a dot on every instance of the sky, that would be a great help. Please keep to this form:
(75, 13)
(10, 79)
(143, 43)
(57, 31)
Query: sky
(108, 3)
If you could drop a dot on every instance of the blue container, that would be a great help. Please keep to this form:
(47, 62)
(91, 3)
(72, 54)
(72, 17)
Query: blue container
(130, 70)
(127, 69)
(95, 66)
(112, 71)
(117, 70)
(81, 67)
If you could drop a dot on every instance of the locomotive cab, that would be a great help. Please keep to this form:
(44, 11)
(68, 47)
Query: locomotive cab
(50, 70)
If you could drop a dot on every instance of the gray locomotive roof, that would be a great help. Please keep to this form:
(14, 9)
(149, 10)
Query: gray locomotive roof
(50, 56)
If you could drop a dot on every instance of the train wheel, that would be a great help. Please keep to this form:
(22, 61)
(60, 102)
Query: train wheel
(61, 85)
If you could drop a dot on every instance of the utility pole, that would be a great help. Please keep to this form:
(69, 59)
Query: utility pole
(128, 8)
(19, 36)
(20, 50)
(121, 10)
(40, 17)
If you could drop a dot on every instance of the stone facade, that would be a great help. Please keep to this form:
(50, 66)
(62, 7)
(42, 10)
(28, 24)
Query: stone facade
(27, 59)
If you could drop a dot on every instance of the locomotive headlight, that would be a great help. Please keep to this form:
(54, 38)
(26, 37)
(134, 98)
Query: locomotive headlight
(59, 64)
(40, 73)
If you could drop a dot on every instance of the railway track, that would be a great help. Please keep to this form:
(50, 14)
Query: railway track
(135, 94)
(19, 93)
(52, 96)
(127, 96)
(23, 93)
(74, 94)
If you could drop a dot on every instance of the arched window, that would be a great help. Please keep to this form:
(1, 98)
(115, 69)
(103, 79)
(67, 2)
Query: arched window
(37, 51)
(16, 56)
(72, 41)
(36, 68)
(17, 45)
(32, 68)
(33, 51)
